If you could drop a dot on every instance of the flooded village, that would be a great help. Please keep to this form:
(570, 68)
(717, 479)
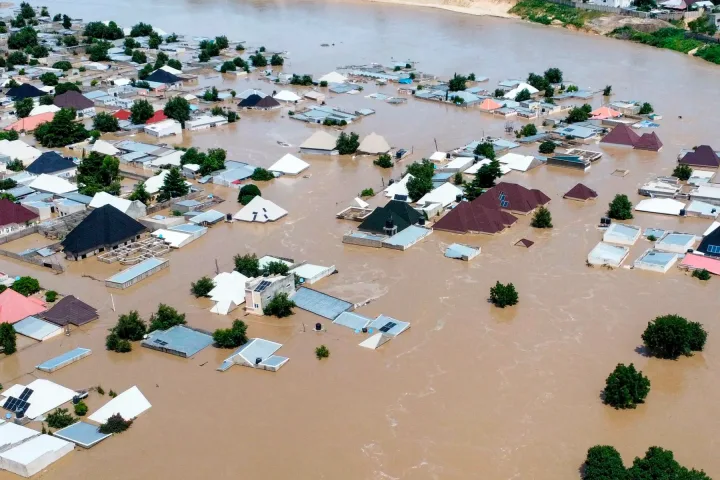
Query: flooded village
(440, 234)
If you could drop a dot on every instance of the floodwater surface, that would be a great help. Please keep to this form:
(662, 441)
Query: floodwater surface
(469, 391)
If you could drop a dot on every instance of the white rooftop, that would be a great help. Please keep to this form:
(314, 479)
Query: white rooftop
(445, 194)
(106, 148)
(129, 404)
(665, 206)
(515, 161)
(289, 164)
(229, 291)
(46, 396)
(320, 140)
(260, 210)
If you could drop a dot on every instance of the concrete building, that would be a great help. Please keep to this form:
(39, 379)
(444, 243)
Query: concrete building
(260, 291)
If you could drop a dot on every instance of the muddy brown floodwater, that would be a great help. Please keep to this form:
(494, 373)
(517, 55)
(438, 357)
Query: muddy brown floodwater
(470, 391)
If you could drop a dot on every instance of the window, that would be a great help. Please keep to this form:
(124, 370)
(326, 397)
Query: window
(714, 249)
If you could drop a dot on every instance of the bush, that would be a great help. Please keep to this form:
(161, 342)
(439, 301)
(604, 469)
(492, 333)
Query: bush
(231, 337)
(547, 147)
(607, 90)
(112, 393)
(26, 286)
(114, 343)
(280, 306)
(503, 295)
(322, 352)
(554, 75)
(367, 192)
(347, 144)
(247, 193)
(701, 274)
(115, 424)
(682, 172)
(7, 338)
(81, 409)
(603, 462)
(104, 122)
(523, 95)
(542, 218)
(670, 336)
(646, 109)
(652, 238)
(202, 287)
(166, 317)
(457, 83)
(578, 114)
(259, 60)
(384, 161)
(625, 387)
(275, 268)
(262, 175)
(276, 60)
(50, 296)
(66, 87)
(60, 418)
(100, 390)
(247, 264)
(528, 130)
(620, 208)
(130, 326)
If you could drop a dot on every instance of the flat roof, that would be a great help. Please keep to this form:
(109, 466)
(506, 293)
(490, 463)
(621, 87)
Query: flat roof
(352, 320)
(211, 216)
(179, 338)
(81, 433)
(136, 270)
(389, 325)
(409, 236)
(36, 328)
(677, 239)
(63, 359)
(656, 257)
(320, 303)
(188, 228)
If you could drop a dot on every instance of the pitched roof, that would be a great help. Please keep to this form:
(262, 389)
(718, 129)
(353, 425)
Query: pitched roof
(473, 217)
(73, 99)
(649, 141)
(702, 156)
(524, 242)
(374, 144)
(24, 91)
(122, 114)
(104, 227)
(513, 197)
(250, 101)
(489, 104)
(621, 135)
(402, 215)
(163, 76)
(603, 113)
(267, 102)
(70, 310)
(50, 162)
(31, 123)
(13, 213)
(14, 306)
(320, 140)
(157, 117)
(580, 192)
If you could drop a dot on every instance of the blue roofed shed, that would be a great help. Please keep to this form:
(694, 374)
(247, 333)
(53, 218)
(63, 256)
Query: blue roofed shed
(64, 360)
(352, 320)
(462, 252)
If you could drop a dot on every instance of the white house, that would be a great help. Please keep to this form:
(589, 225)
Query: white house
(205, 121)
(165, 128)
(131, 208)
(260, 210)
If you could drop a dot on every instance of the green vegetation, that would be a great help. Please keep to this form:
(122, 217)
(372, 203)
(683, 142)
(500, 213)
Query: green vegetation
(232, 337)
(15, 165)
(98, 51)
(25, 37)
(579, 114)
(141, 112)
(24, 107)
(670, 336)
(259, 60)
(115, 424)
(528, 130)
(202, 287)
(625, 387)
(211, 95)
(140, 194)
(49, 79)
(457, 83)
(486, 150)
(384, 161)
(702, 274)
(261, 175)
(7, 184)
(503, 295)
(542, 218)
(304, 80)
(543, 12)
(104, 122)
(66, 87)
(277, 60)
(26, 286)
(61, 130)
(280, 306)
(60, 418)
(139, 57)
(682, 172)
(247, 193)
(607, 90)
(367, 192)
(178, 109)
(322, 352)
(710, 53)
(620, 208)
(421, 181)
(209, 162)
(166, 317)
(347, 144)
(646, 109)
(7, 338)
(99, 30)
(129, 328)
(16, 58)
(63, 65)
(275, 267)
(652, 238)
(523, 95)
(50, 296)
(671, 38)
(484, 178)
(141, 30)
(702, 25)
(173, 185)
(247, 264)
(228, 66)
(603, 462)
(99, 173)
(547, 147)
(81, 409)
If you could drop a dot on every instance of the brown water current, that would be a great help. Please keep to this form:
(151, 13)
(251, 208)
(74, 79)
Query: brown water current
(470, 391)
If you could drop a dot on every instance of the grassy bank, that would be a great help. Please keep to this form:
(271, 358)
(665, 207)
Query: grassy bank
(672, 39)
(540, 11)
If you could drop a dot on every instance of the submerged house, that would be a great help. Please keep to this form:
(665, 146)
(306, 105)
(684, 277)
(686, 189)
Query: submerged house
(710, 245)
(15, 217)
(52, 163)
(390, 219)
(320, 143)
(513, 197)
(260, 291)
(622, 135)
(580, 192)
(473, 217)
(701, 157)
(104, 229)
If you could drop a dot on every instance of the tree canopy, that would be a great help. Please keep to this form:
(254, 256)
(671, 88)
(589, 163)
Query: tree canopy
(484, 179)
(523, 95)
(485, 149)
(99, 30)
(49, 79)
(683, 172)
(99, 173)
(25, 37)
(547, 147)
(26, 286)
(603, 462)
(104, 122)
(7, 339)
(579, 114)
(248, 265)
(620, 208)
(98, 51)
(141, 111)
(232, 337)
(457, 83)
(503, 295)
(165, 317)
(625, 387)
(141, 30)
(178, 109)
(173, 185)
(347, 144)
(247, 193)
(66, 87)
(280, 306)
(209, 162)
(23, 107)
(554, 75)
(542, 218)
(670, 336)
(421, 181)
(202, 287)
(140, 194)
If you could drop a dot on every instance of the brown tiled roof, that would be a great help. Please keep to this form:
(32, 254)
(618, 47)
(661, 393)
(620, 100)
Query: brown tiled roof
(13, 213)
(649, 141)
(524, 242)
(702, 156)
(621, 135)
(70, 310)
(473, 217)
(516, 198)
(72, 99)
(581, 192)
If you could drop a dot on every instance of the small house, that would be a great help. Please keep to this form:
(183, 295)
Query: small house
(260, 291)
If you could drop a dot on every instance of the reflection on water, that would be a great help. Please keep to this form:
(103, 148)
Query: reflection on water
(469, 391)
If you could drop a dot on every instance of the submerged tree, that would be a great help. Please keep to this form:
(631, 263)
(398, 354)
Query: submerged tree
(683, 172)
(670, 336)
(347, 144)
(165, 317)
(542, 218)
(202, 287)
(232, 337)
(620, 208)
(141, 111)
(61, 130)
(115, 424)
(322, 352)
(457, 83)
(603, 462)
(174, 185)
(247, 264)
(60, 418)
(280, 306)
(503, 295)
(99, 173)
(7, 339)
(247, 193)
(625, 387)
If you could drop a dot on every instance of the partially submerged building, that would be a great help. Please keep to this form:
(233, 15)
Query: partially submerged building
(604, 254)
(132, 208)
(14, 217)
(179, 340)
(702, 156)
(320, 143)
(256, 353)
(513, 197)
(676, 242)
(663, 206)
(390, 219)
(136, 273)
(656, 261)
(260, 210)
(622, 234)
(580, 192)
(25, 451)
(228, 292)
(320, 303)
(104, 229)
(260, 291)
(15, 307)
(129, 405)
(473, 217)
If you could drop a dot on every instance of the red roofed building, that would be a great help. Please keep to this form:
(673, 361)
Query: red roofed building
(15, 307)
(472, 217)
(122, 114)
(649, 141)
(158, 116)
(702, 156)
(621, 135)
(580, 192)
(14, 216)
(512, 197)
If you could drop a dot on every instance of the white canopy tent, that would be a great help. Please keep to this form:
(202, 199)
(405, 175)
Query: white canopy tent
(260, 210)
(289, 164)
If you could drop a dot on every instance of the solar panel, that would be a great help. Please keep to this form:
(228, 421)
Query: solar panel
(26, 394)
(160, 342)
(262, 286)
(504, 203)
(10, 404)
(502, 196)
(16, 405)
(386, 328)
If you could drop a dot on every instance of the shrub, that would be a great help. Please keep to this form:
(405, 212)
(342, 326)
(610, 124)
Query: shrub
(547, 147)
(607, 91)
(232, 337)
(603, 462)
(275, 268)
(646, 109)
(652, 238)
(625, 387)
(457, 83)
(553, 75)
(262, 175)
(276, 60)
(114, 343)
(26, 286)
(248, 192)
(50, 296)
(384, 161)
(503, 295)
(247, 264)
(322, 352)
(323, 83)
(367, 192)
(620, 208)
(81, 409)
(347, 144)
(528, 130)
(670, 336)
(60, 418)
(202, 287)
(523, 95)
(8, 338)
(458, 178)
(115, 424)
(682, 172)
(130, 326)
(166, 317)
(702, 274)
(112, 393)
(542, 218)
(100, 390)
(280, 306)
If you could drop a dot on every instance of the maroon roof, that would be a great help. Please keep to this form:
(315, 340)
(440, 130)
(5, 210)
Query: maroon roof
(524, 242)
(515, 198)
(70, 310)
(702, 156)
(474, 218)
(621, 135)
(73, 99)
(581, 192)
(13, 213)
(649, 141)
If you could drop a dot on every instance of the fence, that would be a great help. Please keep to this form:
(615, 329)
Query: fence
(629, 13)
(33, 260)
(160, 206)
(10, 237)
(701, 37)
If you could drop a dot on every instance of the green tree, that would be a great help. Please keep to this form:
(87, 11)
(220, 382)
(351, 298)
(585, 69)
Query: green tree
(322, 352)
(141, 30)
(607, 90)
(620, 208)
(228, 66)
(232, 337)
(26, 286)
(275, 268)
(160, 60)
(81, 409)
(280, 306)
(503, 295)
(683, 172)
(247, 193)
(17, 58)
(528, 130)
(222, 42)
(113, 343)
(7, 184)
(554, 75)
(66, 87)
(579, 114)
(26, 10)
(141, 111)
(179, 109)
(104, 122)
(347, 144)
(130, 326)
(701, 274)
(484, 179)
(70, 41)
(154, 41)
(15, 165)
(25, 37)
(173, 185)
(166, 317)
(211, 95)
(46, 100)
(99, 173)
(457, 83)
(140, 194)
(547, 147)
(24, 107)
(50, 296)
(485, 149)
(40, 51)
(542, 218)
(247, 264)
(66, 22)
(204, 56)
(60, 418)
(646, 109)
(277, 60)
(417, 187)
(115, 424)
(603, 462)
(625, 387)
(262, 175)
(139, 57)
(660, 464)
(202, 287)
(7, 338)
(98, 51)
(523, 95)
(384, 161)
(259, 60)
(174, 63)
(538, 81)
(670, 336)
